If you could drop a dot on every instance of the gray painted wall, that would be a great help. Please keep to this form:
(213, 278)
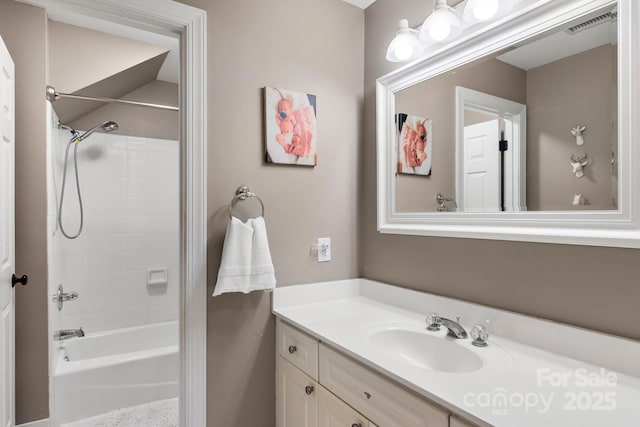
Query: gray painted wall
(591, 287)
(304, 45)
(582, 90)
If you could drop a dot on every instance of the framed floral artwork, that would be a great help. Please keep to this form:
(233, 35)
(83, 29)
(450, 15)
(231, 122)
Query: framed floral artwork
(414, 145)
(291, 127)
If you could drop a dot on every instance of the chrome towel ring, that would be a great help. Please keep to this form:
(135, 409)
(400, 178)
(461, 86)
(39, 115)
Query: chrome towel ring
(243, 193)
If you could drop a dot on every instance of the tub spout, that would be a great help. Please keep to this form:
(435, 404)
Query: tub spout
(65, 334)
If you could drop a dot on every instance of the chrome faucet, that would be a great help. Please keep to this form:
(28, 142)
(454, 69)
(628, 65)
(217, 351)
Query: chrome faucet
(455, 328)
(65, 334)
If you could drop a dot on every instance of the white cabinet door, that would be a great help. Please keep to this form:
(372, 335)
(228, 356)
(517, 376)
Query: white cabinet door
(333, 412)
(296, 397)
(7, 236)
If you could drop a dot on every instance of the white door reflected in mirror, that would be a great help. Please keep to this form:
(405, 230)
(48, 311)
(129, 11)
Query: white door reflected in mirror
(481, 170)
(491, 147)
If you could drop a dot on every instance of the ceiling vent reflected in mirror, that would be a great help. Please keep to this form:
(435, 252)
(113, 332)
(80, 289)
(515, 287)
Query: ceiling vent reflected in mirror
(611, 16)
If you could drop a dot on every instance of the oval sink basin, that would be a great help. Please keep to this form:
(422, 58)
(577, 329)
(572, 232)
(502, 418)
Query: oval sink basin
(426, 351)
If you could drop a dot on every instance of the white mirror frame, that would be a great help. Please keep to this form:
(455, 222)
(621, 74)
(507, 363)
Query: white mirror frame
(618, 228)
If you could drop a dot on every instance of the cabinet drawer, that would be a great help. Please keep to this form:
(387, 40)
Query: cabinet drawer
(298, 348)
(379, 399)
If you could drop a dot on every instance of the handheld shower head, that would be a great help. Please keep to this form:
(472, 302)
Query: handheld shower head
(108, 126)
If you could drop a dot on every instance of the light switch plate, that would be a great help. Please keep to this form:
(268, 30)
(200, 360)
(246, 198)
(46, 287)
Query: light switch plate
(324, 249)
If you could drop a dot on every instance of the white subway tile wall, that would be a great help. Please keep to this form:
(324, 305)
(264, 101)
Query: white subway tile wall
(130, 192)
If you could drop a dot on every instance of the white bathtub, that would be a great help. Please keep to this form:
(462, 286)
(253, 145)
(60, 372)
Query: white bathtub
(108, 370)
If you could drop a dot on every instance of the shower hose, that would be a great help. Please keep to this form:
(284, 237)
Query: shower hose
(64, 182)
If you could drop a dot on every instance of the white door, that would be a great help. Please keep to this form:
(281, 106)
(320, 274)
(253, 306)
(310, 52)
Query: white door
(7, 236)
(481, 174)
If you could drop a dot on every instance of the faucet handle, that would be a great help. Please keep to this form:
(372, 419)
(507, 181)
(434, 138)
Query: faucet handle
(480, 336)
(433, 322)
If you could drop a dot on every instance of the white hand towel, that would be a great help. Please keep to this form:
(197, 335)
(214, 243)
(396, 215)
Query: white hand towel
(246, 261)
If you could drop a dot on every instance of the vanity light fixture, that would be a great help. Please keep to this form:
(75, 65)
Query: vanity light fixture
(405, 46)
(443, 23)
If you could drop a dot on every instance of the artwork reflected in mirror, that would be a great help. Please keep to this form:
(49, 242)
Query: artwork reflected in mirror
(529, 128)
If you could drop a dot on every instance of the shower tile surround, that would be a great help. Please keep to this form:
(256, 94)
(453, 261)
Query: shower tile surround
(130, 192)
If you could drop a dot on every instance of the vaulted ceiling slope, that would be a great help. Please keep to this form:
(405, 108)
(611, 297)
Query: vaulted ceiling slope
(92, 63)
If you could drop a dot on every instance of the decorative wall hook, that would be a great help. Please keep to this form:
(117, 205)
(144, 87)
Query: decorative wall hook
(577, 132)
(578, 200)
(579, 164)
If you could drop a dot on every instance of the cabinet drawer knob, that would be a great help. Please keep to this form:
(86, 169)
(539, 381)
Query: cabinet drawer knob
(309, 389)
(356, 425)
(293, 349)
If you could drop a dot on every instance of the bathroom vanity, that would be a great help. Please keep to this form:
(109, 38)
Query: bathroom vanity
(307, 399)
(358, 353)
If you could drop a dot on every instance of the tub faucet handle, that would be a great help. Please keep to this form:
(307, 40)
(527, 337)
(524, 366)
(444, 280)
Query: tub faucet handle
(60, 297)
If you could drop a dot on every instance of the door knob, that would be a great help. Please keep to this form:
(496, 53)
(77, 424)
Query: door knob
(22, 280)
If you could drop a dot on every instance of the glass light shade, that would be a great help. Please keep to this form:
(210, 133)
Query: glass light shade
(405, 46)
(441, 25)
(482, 10)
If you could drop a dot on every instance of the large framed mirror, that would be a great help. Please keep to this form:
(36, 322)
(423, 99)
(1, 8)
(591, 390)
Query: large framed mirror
(524, 129)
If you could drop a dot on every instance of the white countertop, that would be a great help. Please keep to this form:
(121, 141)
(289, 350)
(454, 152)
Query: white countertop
(520, 384)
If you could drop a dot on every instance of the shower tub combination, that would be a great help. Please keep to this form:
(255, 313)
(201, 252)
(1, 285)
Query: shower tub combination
(105, 371)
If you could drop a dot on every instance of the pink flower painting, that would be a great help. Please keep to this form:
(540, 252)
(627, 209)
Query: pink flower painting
(291, 127)
(414, 145)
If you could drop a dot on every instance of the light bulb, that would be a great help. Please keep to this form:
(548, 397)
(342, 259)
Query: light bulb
(441, 25)
(439, 31)
(403, 52)
(405, 45)
(485, 9)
